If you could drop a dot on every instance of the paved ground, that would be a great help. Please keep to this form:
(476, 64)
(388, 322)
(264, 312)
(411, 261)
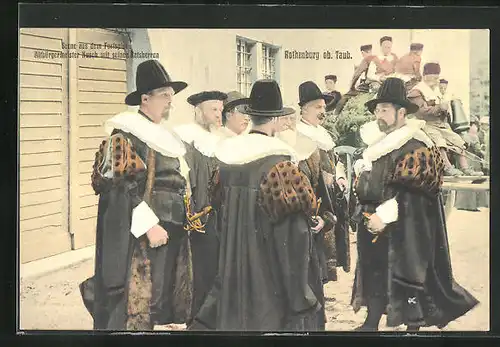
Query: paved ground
(53, 301)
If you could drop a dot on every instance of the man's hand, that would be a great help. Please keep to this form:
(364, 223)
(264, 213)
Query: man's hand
(157, 236)
(375, 224)
(319, 226)
(342, 182)
(443, 106)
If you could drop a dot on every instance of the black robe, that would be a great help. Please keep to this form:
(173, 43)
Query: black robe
(205, 246)
(268, 274)
(409, 265)
(161, 283)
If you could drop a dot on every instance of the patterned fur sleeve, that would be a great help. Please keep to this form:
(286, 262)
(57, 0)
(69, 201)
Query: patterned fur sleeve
(115, 161)
(285, 190)
(421, 169)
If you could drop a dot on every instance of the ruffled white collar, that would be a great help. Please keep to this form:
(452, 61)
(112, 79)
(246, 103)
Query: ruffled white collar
(316, 133)
(201, 139)
(246, 148)
(380, 144)
(156, 136)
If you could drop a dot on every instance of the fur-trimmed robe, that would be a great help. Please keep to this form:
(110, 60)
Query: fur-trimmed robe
(135, 286)
(333, 241)
(268, 275)
(408, 266)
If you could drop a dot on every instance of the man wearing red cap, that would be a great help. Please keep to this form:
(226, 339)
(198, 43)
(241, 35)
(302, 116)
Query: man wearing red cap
(361, 70)
(433, 109)
(201, 139)
(382, 65)
(408, 66)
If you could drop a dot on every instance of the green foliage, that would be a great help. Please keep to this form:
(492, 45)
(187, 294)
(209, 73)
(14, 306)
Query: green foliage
(344, 127)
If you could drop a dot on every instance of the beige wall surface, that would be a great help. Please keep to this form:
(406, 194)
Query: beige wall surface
(206, 58)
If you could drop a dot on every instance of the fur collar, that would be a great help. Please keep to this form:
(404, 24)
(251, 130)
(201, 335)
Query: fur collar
(225, 132)
(428, 93)
(303, 145)
(201, 139)
(380, 144)
(316, 133)
(247, 148)
(156, 136)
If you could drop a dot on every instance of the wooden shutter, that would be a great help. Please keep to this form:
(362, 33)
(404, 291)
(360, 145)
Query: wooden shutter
(43, 145)
(98, 87)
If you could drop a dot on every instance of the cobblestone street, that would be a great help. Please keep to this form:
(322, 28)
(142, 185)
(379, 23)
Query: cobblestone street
(53, 301)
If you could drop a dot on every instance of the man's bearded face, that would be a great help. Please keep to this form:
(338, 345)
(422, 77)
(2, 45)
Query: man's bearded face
(387, 118)
(386, 47)
(314, 112)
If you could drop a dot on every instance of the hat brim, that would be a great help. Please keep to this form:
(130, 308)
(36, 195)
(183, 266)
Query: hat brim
(285, 111)
(232, 104)
(198, 98)
(409, 106)
(134, 98)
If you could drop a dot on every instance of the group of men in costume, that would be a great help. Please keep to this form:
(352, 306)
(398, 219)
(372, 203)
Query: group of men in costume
(240, 229)
(424, 88)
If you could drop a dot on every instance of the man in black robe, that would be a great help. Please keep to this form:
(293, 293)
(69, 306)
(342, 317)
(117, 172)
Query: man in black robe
(328, 178)
(200, 139)
(403, 267)
(141, 253)
(268, 271)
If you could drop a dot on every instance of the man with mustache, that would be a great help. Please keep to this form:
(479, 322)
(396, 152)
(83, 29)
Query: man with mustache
(140, 176)
(234, 122)
(403, 267)
(201, 139)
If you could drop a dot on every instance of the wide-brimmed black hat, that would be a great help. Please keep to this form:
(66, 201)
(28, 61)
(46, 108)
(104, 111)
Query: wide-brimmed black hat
(309, 91)
(151, 75)
(392, 91)
(198, 98)
(266, 100)
(234, 98)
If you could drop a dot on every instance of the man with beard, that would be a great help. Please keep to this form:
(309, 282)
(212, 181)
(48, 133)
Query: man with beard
(200, 139)
(383, 65)
(328, 178)
(433, 110)
(403, 266)
(335, 96)
(234, 122)
(268, 270)
(408, 66)
(140, 176)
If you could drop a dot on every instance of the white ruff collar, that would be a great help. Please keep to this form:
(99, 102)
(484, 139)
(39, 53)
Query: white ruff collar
(428, 93)
(202, 140)
(225, 132)
(380, 144)
(316, 133)
(246, 148)
(156, 136)
(389, 57)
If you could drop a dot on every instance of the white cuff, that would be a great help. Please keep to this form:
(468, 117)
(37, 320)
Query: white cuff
(388, 211)
(362, 165)
(143, 219)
